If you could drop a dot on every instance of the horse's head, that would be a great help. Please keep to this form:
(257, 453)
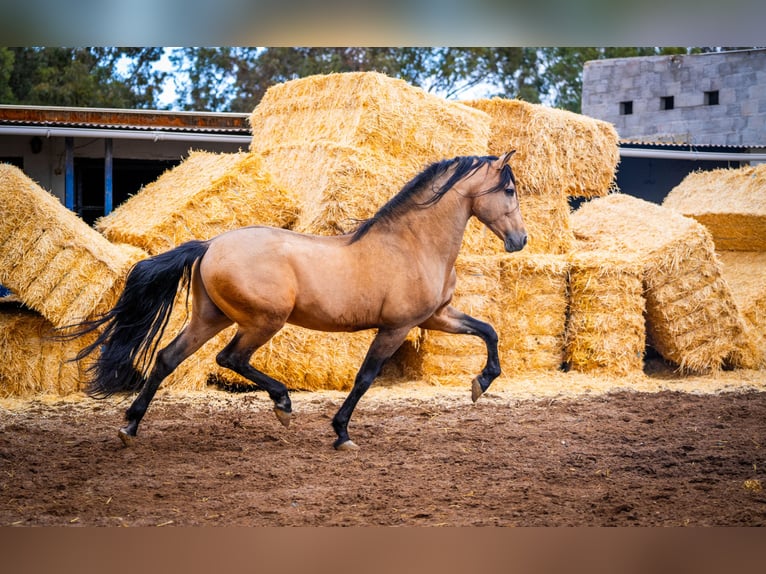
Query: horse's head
(496, 203)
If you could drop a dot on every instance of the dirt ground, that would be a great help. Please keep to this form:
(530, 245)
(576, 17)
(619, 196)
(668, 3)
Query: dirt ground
(566, 450)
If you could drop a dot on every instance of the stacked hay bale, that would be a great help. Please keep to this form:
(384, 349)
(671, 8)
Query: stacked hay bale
(745, 273)
(60, 268)
(51, 259)
(560, 155)
(606, 331)
(346, 143)
(204, 196)
(731, 204)
(368, 110)
(533, 299)
(690, 312)
(34, 363)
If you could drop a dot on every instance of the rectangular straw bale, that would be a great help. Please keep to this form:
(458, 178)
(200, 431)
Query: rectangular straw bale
(523, 296)
(692, 319)
(34, 363)
(51, 259)
(455, 359)
(557, 151)
(204, 196)
(745, 273)
(606, 332)
(731, 203)
(546, 219)
(533, 298)
(338, 185)
(368, 110)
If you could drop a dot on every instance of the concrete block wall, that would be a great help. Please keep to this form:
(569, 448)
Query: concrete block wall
(739, 77)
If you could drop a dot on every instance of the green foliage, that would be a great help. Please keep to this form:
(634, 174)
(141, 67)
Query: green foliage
(79, 77)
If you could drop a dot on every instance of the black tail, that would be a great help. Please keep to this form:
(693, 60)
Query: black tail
(133, 328)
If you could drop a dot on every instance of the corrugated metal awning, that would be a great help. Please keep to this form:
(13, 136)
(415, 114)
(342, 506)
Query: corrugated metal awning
(118, 119)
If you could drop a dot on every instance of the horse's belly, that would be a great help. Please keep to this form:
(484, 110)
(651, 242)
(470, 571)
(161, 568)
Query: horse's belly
(322, 319)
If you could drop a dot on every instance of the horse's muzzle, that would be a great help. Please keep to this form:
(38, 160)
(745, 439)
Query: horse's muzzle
(515, 242)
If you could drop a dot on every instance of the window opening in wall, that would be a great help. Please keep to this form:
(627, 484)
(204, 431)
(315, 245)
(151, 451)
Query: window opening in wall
(711, 98)
(626, 108)
(666, 103)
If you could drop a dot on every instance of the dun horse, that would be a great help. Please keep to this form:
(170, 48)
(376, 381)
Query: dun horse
(395, 272)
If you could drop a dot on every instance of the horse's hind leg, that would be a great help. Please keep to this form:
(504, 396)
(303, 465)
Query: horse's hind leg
(236, 356)
(450, 320)
(383, 346)
(206, 321)
(183, 346)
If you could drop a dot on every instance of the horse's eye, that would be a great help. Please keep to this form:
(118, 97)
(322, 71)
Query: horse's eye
(510, 191)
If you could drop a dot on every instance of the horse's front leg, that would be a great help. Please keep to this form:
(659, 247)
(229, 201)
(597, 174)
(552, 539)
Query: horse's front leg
(384, 345)
(450, 320)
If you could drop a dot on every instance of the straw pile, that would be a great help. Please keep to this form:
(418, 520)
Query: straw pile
(745, 273)
(692, 319)
(533, 299)
(731, 203)
(448, 358)
(560, 154)
(606, 331)
(523, 297)
(338, 185)
(33, 363)
(372, 111)
(53, 260)
(202, 197)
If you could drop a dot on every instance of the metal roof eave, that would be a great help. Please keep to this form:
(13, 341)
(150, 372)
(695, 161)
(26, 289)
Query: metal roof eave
(112, 133)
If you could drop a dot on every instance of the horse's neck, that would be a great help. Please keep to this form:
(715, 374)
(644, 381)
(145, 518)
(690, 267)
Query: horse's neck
(436, 231)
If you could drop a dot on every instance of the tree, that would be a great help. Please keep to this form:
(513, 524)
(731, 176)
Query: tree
(80, 77)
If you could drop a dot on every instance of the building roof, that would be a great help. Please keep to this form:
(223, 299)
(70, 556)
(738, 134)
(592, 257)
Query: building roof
(125, 119)
(680, 145)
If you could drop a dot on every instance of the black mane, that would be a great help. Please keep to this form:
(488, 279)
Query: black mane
(403, 201)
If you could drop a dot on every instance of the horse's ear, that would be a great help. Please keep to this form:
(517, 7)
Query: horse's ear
(505, 158)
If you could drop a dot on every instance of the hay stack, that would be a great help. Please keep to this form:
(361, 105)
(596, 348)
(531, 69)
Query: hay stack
(368, 110)
(557, 151)
(53, 260)
(33, 363)
(559, 155)
(338, 185)
(454, 359)
(533, 298)
(692, 319)
(606, 331)
(202, 197)
(523, 297)
(731, 203)
(745, 273)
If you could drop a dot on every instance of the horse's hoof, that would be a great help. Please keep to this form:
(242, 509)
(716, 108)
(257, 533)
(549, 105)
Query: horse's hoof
(126, 438)
(476, 390)
(283, 417)
(348, 445)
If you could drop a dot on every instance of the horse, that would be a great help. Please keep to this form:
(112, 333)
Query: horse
(396, 271)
